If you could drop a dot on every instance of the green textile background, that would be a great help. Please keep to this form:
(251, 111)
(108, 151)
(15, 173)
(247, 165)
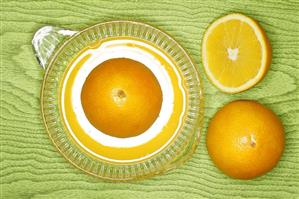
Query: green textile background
(31, 167)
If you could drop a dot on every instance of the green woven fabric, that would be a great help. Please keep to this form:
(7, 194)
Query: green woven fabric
(31, 167)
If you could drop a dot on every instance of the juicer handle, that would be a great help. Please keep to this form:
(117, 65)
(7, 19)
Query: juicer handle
(46, 40)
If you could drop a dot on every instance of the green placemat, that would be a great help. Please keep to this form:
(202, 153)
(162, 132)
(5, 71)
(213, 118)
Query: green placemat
(31, 167)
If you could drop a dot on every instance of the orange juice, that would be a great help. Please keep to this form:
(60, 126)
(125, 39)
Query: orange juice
(122, 100)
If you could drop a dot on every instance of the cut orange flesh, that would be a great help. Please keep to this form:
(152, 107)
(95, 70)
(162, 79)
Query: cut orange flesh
(236, 53)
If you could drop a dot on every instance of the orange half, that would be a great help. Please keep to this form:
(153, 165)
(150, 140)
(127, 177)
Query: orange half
(236, 53)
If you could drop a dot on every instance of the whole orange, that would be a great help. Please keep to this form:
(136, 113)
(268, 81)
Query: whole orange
(121, 97)
(245, 139)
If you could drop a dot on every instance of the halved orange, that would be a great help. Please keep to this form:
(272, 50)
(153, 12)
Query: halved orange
(121, 97)
(245, 139)
(236, 53)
